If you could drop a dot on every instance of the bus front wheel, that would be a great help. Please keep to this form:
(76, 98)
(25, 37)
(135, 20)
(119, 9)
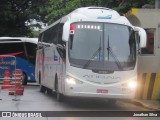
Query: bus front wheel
(42, 88)
(24, 79)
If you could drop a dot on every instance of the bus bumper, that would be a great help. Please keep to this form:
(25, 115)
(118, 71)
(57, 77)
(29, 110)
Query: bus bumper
(99, 92)
(92, 95)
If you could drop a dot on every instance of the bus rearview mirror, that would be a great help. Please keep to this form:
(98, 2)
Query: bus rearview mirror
(66, 30)
(142, 37)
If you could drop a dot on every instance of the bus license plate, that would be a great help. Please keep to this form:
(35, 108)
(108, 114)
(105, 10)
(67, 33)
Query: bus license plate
(102, 91)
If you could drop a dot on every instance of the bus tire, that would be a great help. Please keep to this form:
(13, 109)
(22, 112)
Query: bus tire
(42, 88)
(39, 78)
(59, 96)
(24, 79)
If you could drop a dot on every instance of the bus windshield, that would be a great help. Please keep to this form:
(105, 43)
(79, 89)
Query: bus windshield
(102, 46)
(26, 51)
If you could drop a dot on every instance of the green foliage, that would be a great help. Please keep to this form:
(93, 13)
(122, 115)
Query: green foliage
(59, 8)
(34, 34)
(14, 14)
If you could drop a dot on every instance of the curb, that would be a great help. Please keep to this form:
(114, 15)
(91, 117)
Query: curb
(142, 104)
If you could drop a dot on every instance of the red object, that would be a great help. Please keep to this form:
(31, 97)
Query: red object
(10, 54)
(6, 81)
(17, 89)
(73, 27)
(11, 93)
(20, 90)
(17, 73)
(102, 91)
(6, 73)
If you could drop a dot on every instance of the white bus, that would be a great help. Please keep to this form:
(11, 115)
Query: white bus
(91, 52)
(24, 51)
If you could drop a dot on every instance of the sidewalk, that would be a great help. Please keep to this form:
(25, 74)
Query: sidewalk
(150, 104)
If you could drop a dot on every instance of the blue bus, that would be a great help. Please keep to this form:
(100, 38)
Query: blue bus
(18, 53)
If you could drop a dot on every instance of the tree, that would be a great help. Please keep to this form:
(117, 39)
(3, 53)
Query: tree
(59, 8)
(15, 13)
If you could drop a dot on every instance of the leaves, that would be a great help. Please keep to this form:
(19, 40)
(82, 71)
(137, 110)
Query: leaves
(14, 13)
(59, 8)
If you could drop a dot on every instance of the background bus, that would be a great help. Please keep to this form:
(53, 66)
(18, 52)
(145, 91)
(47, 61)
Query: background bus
(91, 52)
(24, 50)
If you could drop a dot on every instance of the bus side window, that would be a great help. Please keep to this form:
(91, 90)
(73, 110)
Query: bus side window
(51, 35)
(60, 30)
(61, 50)
(61, 43)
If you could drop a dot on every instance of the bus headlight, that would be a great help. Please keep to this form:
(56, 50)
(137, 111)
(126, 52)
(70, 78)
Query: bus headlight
(73, 81)
(132, 84)
(70, 80)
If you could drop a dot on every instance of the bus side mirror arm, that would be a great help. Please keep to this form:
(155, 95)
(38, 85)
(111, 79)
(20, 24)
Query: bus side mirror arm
(66, 31)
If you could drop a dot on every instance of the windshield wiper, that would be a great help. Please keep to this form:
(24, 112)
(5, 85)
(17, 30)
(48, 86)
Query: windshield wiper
(95, 53)
(110, 52)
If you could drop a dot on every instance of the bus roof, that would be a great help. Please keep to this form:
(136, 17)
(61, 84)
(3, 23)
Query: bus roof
(18, 39)
(97, 14)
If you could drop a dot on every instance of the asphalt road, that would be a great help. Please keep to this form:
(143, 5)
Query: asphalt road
(33, 100)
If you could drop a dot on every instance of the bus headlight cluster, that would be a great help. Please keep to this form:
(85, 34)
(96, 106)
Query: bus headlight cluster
(70, 80)
(132, 84)
(73, 81)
